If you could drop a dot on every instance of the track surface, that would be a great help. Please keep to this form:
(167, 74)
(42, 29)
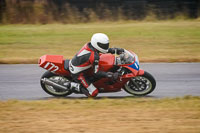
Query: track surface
(173, 79)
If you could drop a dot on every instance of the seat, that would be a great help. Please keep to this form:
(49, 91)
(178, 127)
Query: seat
(66, 65)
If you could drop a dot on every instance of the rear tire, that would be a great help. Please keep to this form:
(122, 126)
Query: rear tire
(140, 85)
(51, 90)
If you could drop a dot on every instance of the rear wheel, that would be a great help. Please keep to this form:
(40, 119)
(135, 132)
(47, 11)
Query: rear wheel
(53, 90)
(141, 85)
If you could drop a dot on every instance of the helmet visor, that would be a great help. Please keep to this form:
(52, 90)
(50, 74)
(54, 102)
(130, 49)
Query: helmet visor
(104, 46)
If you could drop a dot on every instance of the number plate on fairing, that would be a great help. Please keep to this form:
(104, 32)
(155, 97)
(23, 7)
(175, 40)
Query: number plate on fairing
(51, 67)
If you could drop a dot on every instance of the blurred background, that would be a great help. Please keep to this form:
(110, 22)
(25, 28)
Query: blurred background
(157, 30)
(76, 11)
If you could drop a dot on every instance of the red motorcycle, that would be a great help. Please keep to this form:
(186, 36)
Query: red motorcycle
(132, 79)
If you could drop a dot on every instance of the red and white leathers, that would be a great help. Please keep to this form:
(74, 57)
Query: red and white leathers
(86, 58)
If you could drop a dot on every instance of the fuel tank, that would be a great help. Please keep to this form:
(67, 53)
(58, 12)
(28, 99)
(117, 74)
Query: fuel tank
(106, 62)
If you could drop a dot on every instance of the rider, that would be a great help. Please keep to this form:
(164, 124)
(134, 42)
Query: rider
(88, 57)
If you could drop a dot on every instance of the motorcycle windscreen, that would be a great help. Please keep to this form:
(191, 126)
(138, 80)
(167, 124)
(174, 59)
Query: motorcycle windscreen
(132, 57)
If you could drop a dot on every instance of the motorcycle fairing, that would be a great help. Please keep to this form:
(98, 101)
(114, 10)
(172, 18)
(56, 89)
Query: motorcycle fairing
(134, 67)
(53, 63)
(107, 85)
(57, 59)
(133, 74)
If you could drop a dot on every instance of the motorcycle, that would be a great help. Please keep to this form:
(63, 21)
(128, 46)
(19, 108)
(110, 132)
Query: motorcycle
(132, 79)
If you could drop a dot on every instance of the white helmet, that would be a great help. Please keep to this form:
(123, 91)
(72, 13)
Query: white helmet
(100, 42)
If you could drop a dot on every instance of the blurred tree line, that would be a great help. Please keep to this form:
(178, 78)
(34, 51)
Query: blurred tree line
(76, 11)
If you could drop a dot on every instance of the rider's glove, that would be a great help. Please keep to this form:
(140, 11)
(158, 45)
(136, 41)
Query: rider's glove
(119, 50)
(111, 50)
(113, 76)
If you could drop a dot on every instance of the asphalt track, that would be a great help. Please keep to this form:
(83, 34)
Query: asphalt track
(173, 80)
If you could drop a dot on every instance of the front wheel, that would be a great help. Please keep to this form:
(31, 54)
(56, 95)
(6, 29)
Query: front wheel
(141, 85)
(53, 90)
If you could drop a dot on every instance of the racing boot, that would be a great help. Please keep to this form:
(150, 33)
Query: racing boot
(74, 87)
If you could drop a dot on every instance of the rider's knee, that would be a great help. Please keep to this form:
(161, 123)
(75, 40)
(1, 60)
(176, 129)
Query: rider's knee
(94, 93)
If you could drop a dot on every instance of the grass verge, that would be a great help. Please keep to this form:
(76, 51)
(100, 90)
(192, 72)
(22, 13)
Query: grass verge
(180, 115)
(159, 41)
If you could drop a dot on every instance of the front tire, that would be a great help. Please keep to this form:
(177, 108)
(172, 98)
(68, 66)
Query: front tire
(52, 90)
(140, 85)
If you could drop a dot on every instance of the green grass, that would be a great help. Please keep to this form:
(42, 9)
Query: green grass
(159, 41)
(176, 115)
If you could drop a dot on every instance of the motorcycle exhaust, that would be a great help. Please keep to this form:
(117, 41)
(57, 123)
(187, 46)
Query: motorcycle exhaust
(56, 85)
